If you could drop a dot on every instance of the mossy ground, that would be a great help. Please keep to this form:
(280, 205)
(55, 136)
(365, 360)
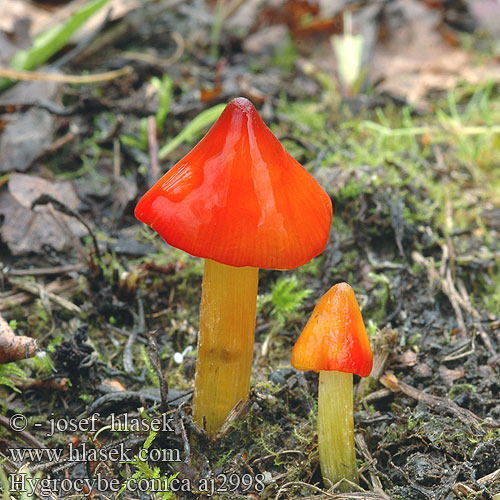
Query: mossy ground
(415, 232)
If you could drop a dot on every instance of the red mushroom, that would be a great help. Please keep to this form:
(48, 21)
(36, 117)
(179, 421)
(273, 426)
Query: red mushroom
(241, 202)
(334, 342)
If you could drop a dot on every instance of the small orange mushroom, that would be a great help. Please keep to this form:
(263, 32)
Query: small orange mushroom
(334, 342)
(240, 201)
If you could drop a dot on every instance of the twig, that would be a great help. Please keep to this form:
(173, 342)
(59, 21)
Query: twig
(28, 438)
(441, 404)
(238, 412)
(364, 495)
(140, 328)
(128, 359)
(59, 143)
(449, 288)
(185, 440)
(154, 164)
(375, 480)
(155, 360)
(12, 298)
(490, 477)
(14, 347)
(38, 289)
(44, 271)
(449, 231)
(157, 61)
(53, 383)
(15, 74)
(8, 465)
(467, 305)
(458, 300)
(306, 485)
(117, 207)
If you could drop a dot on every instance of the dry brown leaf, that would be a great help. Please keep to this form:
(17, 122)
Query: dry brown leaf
(408, 358)
(15, 10)
(28, 230)
(486, 13)
(423, 370)
(416, 58)
(449, 376)
(27, 134)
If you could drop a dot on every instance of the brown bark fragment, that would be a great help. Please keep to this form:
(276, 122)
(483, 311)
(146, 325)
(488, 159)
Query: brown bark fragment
(13, 347)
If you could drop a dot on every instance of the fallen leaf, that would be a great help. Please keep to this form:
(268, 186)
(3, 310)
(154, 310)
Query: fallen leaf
(449, 376)
(15, 10)
(124, 191)
(486, 13)
(268, 37)
(415, 58)
(423, 370)
(27, 230)
(27, 134)
(408, 358)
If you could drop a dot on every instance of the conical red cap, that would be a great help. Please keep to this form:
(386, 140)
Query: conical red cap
(335, 336)
(240, 199)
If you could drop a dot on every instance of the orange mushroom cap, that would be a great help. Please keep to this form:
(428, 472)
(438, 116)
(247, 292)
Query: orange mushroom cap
(335, 336)
(240, 199)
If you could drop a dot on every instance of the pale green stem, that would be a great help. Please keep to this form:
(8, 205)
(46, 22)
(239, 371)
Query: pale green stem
(337, 454)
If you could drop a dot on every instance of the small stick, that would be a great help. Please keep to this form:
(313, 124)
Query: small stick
(55, 77)
(489, 478)
(436, 402)
(155, 360)
(457, 300)
(157, 61)
(11, 298)
(43, 271)
(467, 305)
(24, 435)
(38, 289)
(376, 483)
(154, 164)
(187, 447)
(128, 361)
(128, 364)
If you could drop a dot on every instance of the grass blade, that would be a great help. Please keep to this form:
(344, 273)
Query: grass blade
(203, 120)
(51, 41)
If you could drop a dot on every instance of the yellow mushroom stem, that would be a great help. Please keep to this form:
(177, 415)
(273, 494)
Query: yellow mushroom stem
(337, 454)
(225, 342)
